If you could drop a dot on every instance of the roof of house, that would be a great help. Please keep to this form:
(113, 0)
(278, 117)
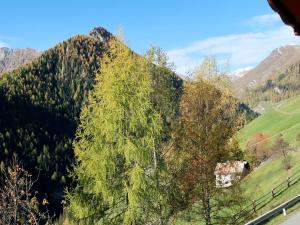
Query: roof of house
(230, 167)
(289, 11)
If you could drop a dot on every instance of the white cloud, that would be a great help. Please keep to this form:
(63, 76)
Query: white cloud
(244, 49)
(264, 19)
(5, 39)
(2, 44)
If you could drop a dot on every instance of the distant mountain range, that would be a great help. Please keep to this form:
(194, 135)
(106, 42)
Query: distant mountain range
(276, 63)
(11, 58)
(237, 74)
(276, 78)
(245, 78)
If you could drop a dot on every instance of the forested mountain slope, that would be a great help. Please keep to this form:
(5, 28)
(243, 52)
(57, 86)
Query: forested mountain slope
(40, 104)
(281, 86)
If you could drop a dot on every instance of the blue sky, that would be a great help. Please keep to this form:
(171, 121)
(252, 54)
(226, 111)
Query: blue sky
(241, 32)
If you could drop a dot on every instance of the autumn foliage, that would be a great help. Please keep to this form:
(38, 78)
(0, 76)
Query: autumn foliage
(204, 136)
(257, 147)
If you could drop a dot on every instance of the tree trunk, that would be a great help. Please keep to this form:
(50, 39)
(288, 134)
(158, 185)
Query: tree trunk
(207, 212)
(206, 205)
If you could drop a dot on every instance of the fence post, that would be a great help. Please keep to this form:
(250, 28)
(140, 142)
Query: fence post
(273, 193)
(288, 181)
(254, 205)
(284, 212)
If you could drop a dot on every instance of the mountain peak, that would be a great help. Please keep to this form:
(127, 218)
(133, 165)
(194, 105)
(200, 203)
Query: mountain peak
(236, 74)
(11, 58)
(100, 33)
(5, 51)
(279, 59)
(285, 49)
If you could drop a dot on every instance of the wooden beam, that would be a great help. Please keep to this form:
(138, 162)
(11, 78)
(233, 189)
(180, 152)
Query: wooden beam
(289, 11)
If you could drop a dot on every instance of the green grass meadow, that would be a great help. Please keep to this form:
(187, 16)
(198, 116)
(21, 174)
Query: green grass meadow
(284, 118)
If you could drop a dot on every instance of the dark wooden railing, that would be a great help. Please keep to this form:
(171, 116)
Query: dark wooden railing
(251, 210)
(275, 211)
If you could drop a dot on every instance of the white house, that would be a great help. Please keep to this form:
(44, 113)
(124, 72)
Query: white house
(227, 173)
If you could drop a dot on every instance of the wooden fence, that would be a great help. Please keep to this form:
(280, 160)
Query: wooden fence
(275, 211)
(252, 209)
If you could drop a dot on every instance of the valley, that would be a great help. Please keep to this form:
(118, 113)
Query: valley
(100, 126)
(57, 91)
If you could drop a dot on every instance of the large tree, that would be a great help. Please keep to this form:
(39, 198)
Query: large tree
(116, 145)
(203, 138)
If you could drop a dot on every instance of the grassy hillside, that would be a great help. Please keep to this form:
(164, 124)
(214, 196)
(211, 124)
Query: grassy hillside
(269, 175)
(283, 117)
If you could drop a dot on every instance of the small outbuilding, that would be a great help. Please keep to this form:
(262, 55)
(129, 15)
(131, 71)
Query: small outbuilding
(229, 172)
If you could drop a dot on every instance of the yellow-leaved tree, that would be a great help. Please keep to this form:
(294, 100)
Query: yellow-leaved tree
(116, 145)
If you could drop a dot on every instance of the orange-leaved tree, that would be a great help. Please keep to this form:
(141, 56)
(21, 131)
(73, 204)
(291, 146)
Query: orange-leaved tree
(258, 147)
(205, 135)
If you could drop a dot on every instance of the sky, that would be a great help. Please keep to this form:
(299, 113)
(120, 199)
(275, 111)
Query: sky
(238, 33)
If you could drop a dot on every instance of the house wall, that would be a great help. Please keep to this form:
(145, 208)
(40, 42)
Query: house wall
(226, 180)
